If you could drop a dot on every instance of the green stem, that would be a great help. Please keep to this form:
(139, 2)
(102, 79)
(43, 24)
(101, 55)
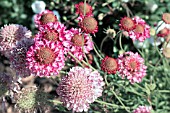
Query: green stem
(109, 104)
(75, 58)
(120, 41)
(101, 46)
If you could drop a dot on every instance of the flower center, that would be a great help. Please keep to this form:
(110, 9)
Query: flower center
(89, 23)
(133, 65)
(45, 55)
(77, 40)
(163, 32)
(111, 64)
(48, 17)
(166, 18)
(139, 28)
(127, 23)
(86, 8)
(51, 36)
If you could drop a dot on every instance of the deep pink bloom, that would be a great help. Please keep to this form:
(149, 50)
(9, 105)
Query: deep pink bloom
(45, 58)
(80, 9)
(164, 32)
(44, 17)
(131, 66)
(143, 109)
(76, 45)
(109, 65)
(141, 31)
(88, 24)
(127, 24)
(10, 35)
(18, 57)
(79, 88)
(55, 32)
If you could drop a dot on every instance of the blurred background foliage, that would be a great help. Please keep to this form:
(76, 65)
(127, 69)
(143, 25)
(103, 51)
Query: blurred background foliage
(154, 90)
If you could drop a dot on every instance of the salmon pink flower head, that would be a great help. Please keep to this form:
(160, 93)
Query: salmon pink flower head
(18, 57)
(78, 43)
(88, 24)
(143, 109)
(10, 35)
(127, 24)
(44, 17)
(79, 88)
(164, 32)
(166, 18)
(84, 9)
(109, 65)
(45, 58)
(141, 31)
(131, 66)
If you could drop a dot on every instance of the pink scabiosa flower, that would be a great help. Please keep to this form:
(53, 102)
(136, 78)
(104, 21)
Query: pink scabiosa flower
(131, 66)
(10, 35)
(141, 31)
(44, 17)
(45, 58)
(80, 88)
(143, 109)
(55, 32)
(18, 57)
(88, 24)
(77, 42)
(164, 32)
(83, 9)
(166, 18)
(109, 65)
(127, 24)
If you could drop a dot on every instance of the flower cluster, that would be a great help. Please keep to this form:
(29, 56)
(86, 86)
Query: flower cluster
(136, 27)
(131, 65)
(80, 88)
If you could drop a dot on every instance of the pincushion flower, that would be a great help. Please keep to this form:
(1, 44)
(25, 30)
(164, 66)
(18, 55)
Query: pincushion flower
(80, 88)
(143, 109)
(164, 32)
(78, 42)
(45, 58)
(131, 65)
(166, 18)
(84, 9)
(44, 17)
(18, 57)
(141, 31)
(109, 65)
(55, 32)
(88, 24)
(127, 24)
(10, 35)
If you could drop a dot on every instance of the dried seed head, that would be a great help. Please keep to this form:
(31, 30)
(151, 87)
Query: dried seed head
(48, 17)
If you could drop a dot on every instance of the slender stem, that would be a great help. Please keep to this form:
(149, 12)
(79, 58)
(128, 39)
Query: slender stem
(120, 41)
(97, 52)
(110, 104)
(103, 42)
(75, 58)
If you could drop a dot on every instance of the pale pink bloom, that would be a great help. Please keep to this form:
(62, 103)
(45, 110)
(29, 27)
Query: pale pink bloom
(45, 58)
(131, 66)
(55, 32)
(44, 17)
(18, 57)
(10, 35)
(141, 31)
(143, 109)
(80, 88)
(76, 45)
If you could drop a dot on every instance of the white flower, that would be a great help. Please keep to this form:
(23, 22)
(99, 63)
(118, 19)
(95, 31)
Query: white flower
(38, 6)
(161, 25)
